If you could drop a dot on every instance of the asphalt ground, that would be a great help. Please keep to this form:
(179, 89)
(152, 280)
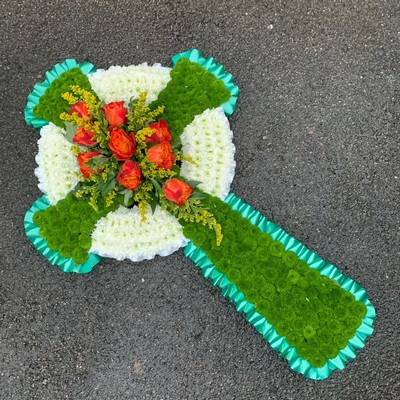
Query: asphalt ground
(317, 136)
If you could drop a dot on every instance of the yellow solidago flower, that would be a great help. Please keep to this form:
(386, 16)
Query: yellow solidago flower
(73, 118)
(70, 98)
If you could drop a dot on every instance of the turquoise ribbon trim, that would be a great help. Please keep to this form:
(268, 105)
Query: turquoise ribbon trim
(218, 71)
(259, 322)
(40, 88)
(65, 264)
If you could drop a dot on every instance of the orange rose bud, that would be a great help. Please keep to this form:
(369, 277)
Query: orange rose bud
(85, 138)
(115, 113)
(84, 158)
(122, 145)
(81, 109)
(160, 132)
(162, 155)
(177, 191)
(130, 175)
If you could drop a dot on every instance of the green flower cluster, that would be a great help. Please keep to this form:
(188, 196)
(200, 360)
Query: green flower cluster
(67, 226)
(313, 313)
(51, 104)
(191, 90)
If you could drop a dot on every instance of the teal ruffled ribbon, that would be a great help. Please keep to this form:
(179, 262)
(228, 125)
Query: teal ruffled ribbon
(218, 71)
(65, 264)
(259, 322)
(40, 88)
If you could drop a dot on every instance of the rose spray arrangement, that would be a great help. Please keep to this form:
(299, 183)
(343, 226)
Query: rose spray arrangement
(125, 157)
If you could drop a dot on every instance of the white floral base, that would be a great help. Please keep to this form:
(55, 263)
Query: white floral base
(123, 234)
(58, 170)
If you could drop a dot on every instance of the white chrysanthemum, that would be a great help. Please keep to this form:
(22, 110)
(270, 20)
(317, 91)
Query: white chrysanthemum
(123, 234)
(57, 166)
(208, 141)
(123, 83)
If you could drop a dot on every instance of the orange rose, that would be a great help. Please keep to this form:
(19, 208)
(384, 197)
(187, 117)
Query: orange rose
(130, 175)
(83, 158)
(160, 132)
(122, 145)
(162, 155)
(81, 109)
(115, 113)
(177, 191)
(83, 137)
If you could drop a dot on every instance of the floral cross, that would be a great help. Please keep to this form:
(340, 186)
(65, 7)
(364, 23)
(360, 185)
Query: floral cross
(138, 161)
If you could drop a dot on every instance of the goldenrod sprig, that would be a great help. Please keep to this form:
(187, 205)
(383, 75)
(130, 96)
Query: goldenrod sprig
(193, 211)
(141, 114)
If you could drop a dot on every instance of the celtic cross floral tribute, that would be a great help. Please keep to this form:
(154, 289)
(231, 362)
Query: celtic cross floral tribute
(137, 161)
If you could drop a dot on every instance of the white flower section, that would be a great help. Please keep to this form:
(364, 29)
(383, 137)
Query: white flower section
(123, 83)
(208, 141)
(122, 234)
(58, 170)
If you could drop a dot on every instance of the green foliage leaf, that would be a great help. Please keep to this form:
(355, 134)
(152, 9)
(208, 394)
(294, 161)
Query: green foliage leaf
(153, 204)
(197, 195)
(157, 186)
(70, 131)
(109, 185)
(128, 198)
(193, 183)
(97, 162)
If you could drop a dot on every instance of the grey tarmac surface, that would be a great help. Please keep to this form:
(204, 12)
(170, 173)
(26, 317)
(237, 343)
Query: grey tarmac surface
(317, 137)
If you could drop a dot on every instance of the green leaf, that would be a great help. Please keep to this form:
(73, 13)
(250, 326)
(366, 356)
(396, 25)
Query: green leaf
(105, 152)
(156, 185)
(97, 161)
(70, 130)
(153, 205)
(197, 196)
(128, 198)
(109, 185)
(132, 103)
(193, 183)
(176, 168)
